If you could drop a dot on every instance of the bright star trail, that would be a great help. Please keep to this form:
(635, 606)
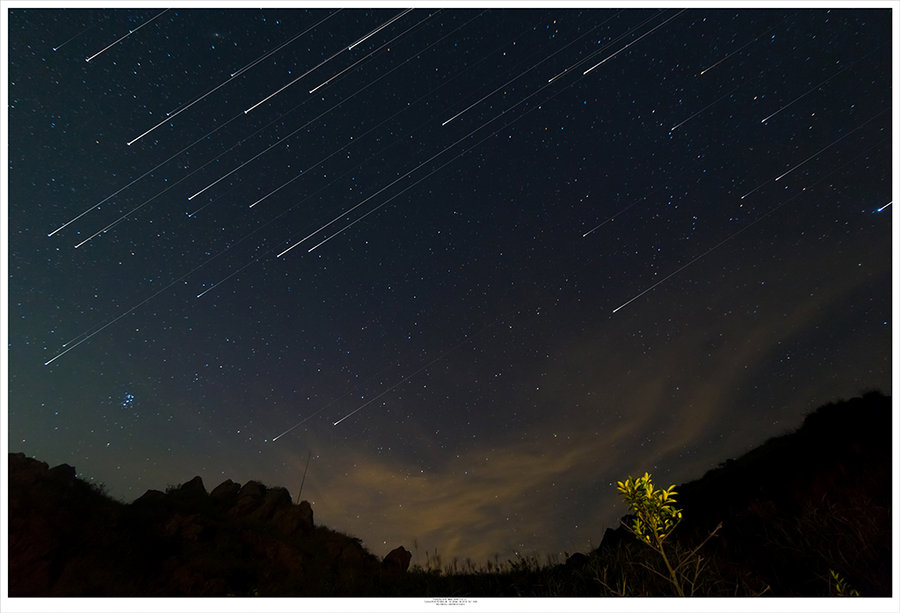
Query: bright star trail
(325, 61)
(722, 97)
(283, 45)
(612, 217)
(608, 44)
(70, 39)
(828, 146)
(379, 29)
(515, 78)
(651, 31)
(736, 51)
(733, 235)
(816, 87)
(477, 261)
(803, 95)
(370, 54)
(130, 32)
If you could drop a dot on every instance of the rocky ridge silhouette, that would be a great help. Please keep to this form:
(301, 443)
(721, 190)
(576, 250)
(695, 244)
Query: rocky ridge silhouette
(68, 539)
(794, 508)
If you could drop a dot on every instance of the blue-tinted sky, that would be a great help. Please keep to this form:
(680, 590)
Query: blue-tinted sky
(459, 321)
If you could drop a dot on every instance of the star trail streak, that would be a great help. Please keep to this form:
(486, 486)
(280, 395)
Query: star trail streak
(708, 68)
(379, 29)
(404, 176)
(323, 62)
(651, 31)
(232, 76)
(740, 230)
(155, 168)
(611, 218)
(829, 146)
(722, 97)
(804, 94)
(130, 32)
(371, 53)
(171, 116)
(282, 45)
(603, 48)
(521, 74)
(63, 44)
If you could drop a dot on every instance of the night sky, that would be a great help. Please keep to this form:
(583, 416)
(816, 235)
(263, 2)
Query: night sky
(653, 266)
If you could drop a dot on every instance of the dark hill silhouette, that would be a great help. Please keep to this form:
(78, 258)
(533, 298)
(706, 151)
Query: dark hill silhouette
(800, 504)
(792, 509)
(67, 538)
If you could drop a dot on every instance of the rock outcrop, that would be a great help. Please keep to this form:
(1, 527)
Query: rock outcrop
(67, 538)
(227, 491)
(397, 560)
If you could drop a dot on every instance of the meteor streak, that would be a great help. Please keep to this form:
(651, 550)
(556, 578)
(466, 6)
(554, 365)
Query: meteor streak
(395, 181)
(754, 189)
(417, 54)
(121, 189)
(673, 128)
(228, 80)
(884, 207)
(130, 32)
(736, 51)
(803, 95)
(307, 418)
(180, 111)
(87, 337)
(270, 147)
(603, 48)
(371, 53)
(351, 209)
(283, 45)
(207, 163)
(286, 211)
(613, 217)
(749, 225)
(60, 46)
(784, 174)
(378, 29)
(810, 157)
(325, 61)
(844, 69)
(524, 73)
(466, 339)
(634, 41)
(708, 251)
(152, 198)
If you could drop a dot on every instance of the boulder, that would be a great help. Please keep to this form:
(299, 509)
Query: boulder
(276, 498)
(226, 491)
(397, 560)
(185, 527)
(615, 538)
(63, 473)
(306, 512)
(577, 561)
(294, 520)
(346, 553)
(25, 471)
(192, 488)
(250, 496)
(151, 497)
